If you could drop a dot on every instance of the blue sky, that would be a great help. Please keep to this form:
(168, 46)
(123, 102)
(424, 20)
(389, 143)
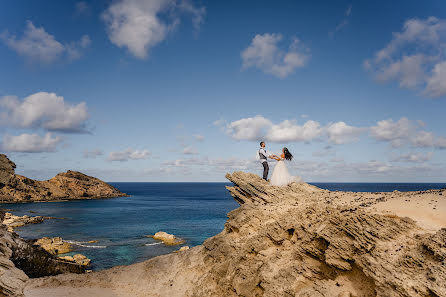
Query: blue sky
(175, 90)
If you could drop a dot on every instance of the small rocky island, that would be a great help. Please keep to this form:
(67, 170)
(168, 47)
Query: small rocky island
(69, 185)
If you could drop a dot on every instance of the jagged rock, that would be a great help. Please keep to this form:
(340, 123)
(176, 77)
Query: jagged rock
(19, 260)
(296, 240)
(54, 246)
(67, 185)
(78, 259)
(12, 221)
(166, 238)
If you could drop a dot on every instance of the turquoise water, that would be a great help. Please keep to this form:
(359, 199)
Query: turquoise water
(191, 211)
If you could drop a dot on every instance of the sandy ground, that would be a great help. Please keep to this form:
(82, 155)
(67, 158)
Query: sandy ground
(428, 210)
(71, 292)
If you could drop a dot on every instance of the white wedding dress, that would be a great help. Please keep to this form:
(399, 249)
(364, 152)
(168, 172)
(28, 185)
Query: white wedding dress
(281, 176)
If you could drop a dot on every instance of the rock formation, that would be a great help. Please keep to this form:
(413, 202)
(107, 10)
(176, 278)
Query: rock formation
(19, 260)
(67, 185)
(166, 238)
(12, 221)
(78, 259)
(297, 240)
(54, 246)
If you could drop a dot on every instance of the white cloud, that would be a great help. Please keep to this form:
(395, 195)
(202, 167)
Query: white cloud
(259, 128)
(340, 132)
(395, 132)
(344, 22)
(405, 132)
(30, 143)
(92, 154)
(44, 110)
(288, 131)
(413, 157)
(264, 53)
(140, 25)
(199, 138)
(128, 154)
(436, 84)
(440, 143)
(190, 151)
(248, 128)
(415, 57)
(38, 46)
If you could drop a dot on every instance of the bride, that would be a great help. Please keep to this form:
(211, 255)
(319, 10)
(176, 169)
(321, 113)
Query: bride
(281, 176)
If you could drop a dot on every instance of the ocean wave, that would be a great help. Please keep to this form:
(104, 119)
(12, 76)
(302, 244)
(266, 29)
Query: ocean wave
(154, 243)
(83, 244)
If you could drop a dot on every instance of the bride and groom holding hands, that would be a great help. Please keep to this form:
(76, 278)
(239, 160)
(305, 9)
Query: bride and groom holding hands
(280, 176)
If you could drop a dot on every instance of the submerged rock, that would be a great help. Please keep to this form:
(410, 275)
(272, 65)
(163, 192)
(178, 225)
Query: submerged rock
(64, 186)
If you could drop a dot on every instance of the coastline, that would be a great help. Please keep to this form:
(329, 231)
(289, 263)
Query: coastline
(266, 228)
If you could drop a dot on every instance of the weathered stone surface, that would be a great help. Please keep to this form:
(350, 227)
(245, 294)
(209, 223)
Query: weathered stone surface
(12, 221)
(290, 241)
(20, 260)
(166, 238)
(54, 245)
(78, 259)
(67, 185)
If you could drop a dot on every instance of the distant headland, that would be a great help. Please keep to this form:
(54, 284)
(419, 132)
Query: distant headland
(70, 185)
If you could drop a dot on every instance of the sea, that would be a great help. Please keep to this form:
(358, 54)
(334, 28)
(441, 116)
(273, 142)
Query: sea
(115, 231)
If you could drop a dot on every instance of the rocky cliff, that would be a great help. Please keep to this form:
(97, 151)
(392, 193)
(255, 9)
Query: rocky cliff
(297, 240)
(20, 260)
(67, 185)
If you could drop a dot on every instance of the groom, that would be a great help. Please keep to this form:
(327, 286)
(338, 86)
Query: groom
(263, 159)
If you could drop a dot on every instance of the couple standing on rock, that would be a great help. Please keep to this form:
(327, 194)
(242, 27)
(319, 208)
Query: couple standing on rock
(280, 176)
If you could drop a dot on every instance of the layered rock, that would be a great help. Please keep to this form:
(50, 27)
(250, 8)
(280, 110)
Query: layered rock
(54, 245)
(19, 260)
(297, 240)
(12, 221)
(78, 259)
(67, 185)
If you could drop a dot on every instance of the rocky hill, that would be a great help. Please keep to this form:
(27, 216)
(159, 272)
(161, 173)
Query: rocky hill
(297, 240)
(67, 185)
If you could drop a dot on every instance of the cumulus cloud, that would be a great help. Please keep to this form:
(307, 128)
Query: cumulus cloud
(140, 25)
(38, 46)
(249, 128)
(92, 154)
(340, 132)
(128, 154)
(30, 143)
(415, 57)
(412, 157)
(44, 110)
(404, 132)
(259, 128)
(287, 131)
(265, 54)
